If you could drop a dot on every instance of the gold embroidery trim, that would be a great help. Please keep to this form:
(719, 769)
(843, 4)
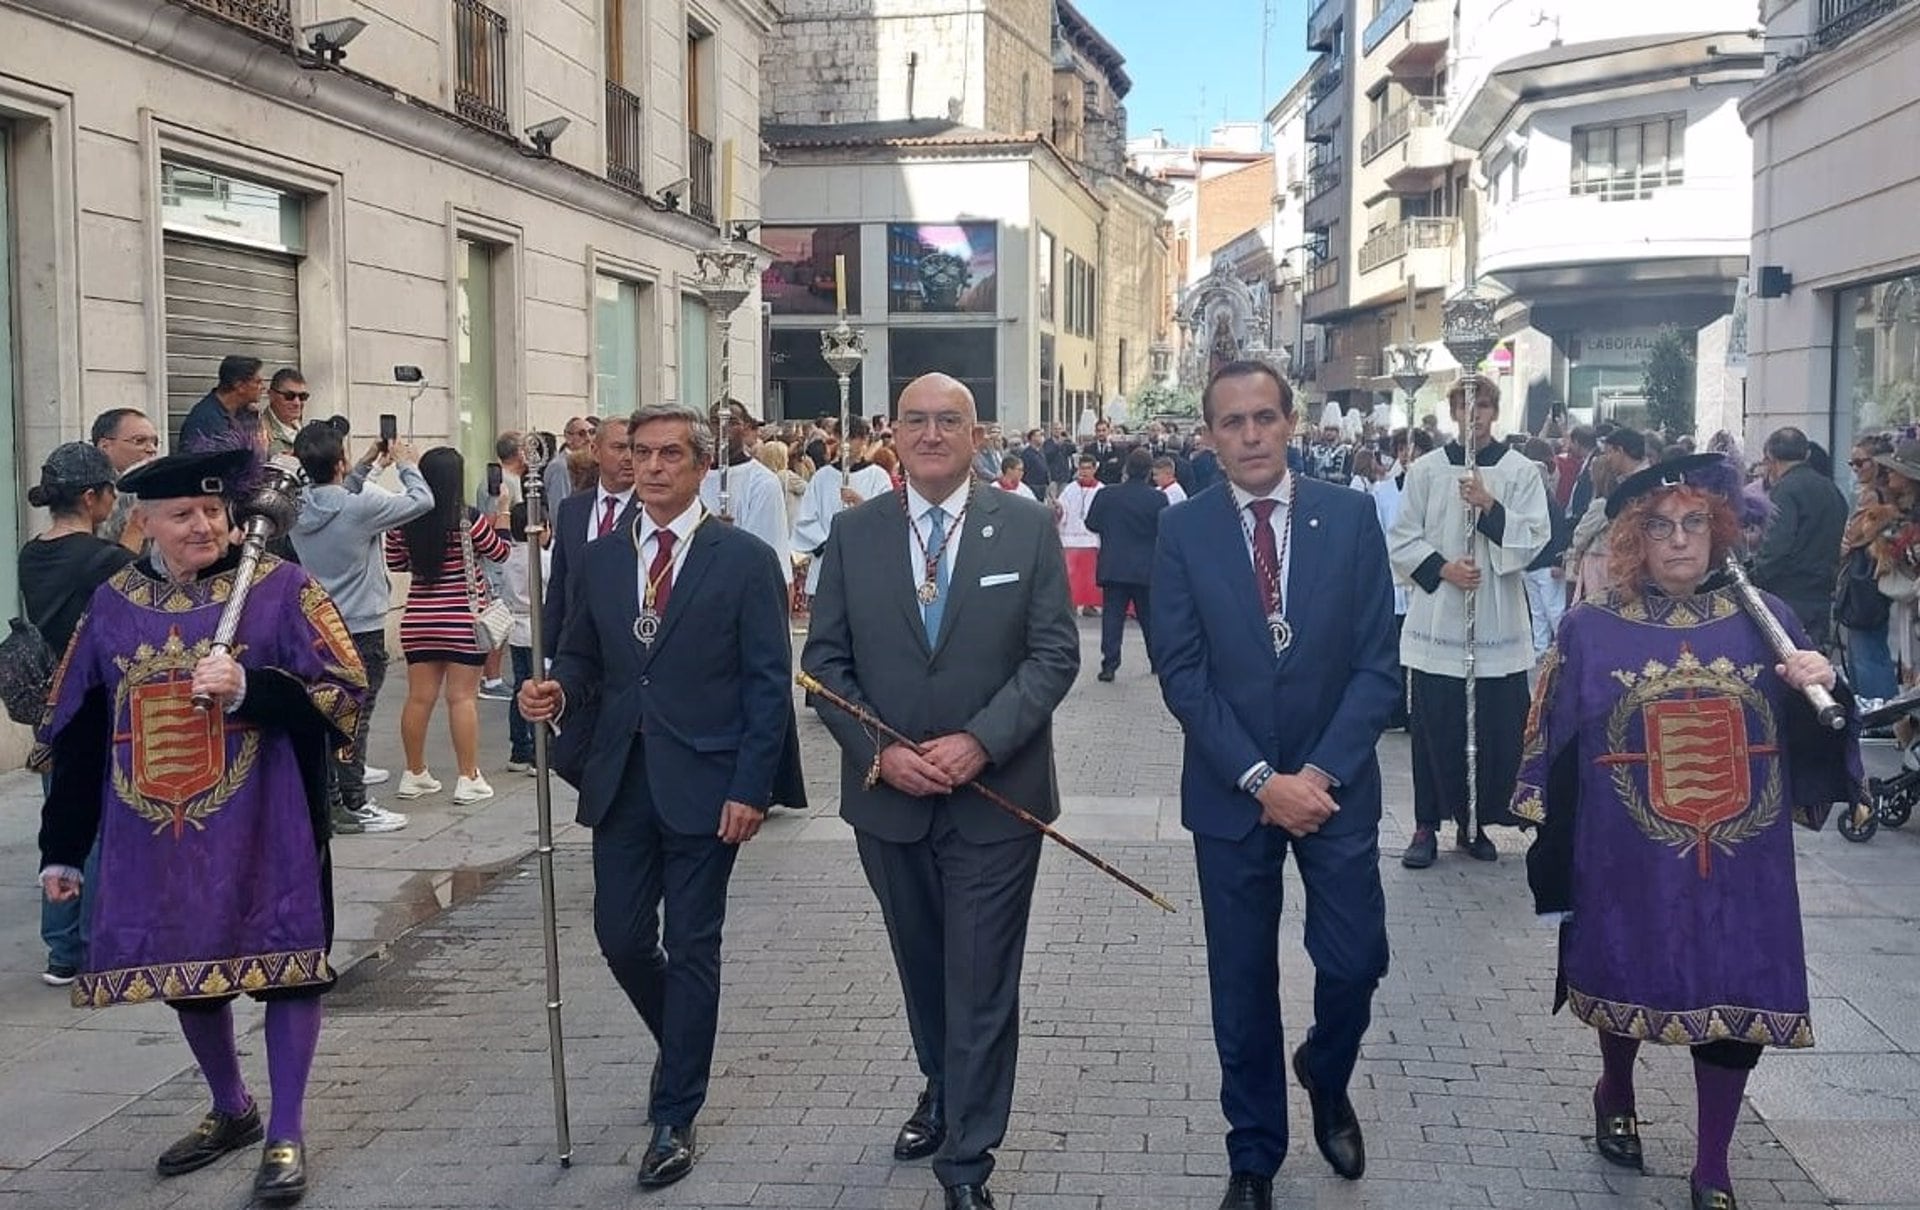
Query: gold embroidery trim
(1690, 1027)
(202, 980)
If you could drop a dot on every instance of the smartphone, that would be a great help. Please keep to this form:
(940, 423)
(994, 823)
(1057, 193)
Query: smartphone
(389, 429)
(496, 479)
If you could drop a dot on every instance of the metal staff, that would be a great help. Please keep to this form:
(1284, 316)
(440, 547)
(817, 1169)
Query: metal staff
(1831, 713)
(866, 718)
(265, 514)
(1473, 594)
(537, 529)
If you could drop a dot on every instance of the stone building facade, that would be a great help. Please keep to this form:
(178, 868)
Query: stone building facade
(187, 179)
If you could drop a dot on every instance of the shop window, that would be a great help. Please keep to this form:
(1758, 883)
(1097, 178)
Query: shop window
(969, 354)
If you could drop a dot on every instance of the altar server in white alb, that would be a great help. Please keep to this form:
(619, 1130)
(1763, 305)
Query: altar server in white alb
(1443, 561)
(756, 499)
(828, 495)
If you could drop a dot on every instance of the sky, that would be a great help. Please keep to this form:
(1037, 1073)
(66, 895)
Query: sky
(1196, 62)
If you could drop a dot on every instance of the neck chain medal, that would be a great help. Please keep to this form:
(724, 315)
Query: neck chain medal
(646, 627)
(1279, 630)
(929, 590)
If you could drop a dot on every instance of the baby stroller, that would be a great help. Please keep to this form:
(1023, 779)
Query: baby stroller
(1890, 799)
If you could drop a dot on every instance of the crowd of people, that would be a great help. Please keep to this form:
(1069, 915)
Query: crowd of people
(1298, 596)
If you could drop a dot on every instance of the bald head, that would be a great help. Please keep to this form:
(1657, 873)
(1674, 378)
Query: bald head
(934, 422)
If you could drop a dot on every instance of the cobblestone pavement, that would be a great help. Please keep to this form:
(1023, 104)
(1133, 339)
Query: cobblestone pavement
(432, 1086)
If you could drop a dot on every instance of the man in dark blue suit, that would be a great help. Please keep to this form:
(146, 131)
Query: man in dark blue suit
(674, 663)
(1127, 518)
(587, 515)
(1273, 639)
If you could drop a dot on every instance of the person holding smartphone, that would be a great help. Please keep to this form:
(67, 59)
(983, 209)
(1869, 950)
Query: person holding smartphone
(338, 533)
(500, 489)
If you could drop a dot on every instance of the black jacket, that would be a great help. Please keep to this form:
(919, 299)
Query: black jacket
(1799, 557)
(1127, 518)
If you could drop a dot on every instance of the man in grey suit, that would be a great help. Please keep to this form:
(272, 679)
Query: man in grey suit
(943, 609)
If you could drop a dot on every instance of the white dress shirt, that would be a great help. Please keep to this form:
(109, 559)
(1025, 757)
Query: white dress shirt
(600, 498)
(917, 506)
(682, 527)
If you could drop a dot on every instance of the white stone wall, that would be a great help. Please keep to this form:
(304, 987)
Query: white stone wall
(1835, 195)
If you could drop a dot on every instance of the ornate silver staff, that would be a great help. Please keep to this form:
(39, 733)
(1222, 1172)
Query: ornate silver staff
(1469, 332)
(264, 515)
(1831, 713)
(725, 281)
(537, 527)
(843, 347)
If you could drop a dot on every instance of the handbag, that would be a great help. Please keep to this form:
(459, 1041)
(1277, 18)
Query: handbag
(28, 661)
(1858, 603)
(492, 620)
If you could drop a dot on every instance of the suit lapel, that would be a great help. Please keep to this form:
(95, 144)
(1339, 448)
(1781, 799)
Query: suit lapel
(699, 558)
(974, 537)
(898, 537)
(1309, 560)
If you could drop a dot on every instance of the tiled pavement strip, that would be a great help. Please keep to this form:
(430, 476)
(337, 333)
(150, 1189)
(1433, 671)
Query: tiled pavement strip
(432, 1086)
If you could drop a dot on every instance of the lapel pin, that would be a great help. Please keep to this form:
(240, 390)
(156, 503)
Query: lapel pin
(986, 531)
(1313, 523)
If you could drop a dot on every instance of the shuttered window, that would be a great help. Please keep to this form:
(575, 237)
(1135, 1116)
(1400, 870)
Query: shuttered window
(224, 299)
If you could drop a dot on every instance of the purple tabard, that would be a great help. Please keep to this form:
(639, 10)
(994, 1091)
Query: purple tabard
(1660, 728)
(209, 879)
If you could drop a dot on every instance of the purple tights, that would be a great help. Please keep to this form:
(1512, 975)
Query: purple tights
(1718, 1090)
(293, 1031)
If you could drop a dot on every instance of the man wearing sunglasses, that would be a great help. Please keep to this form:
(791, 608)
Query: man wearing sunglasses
(287, 397)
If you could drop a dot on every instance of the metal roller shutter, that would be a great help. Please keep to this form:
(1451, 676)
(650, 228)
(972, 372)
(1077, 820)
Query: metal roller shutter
(224, 300)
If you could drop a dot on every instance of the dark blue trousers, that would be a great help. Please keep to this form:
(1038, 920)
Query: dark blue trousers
(673, 978)
(1346, 936)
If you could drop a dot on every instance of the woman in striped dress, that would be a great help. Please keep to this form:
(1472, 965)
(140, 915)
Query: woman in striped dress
(436, 625)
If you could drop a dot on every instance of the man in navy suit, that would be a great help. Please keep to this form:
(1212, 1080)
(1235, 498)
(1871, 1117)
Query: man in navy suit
(586, 515)
(674, 662)
(1273, 639)
(1127, 518)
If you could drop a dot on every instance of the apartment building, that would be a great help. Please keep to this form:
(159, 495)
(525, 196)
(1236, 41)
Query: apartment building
(1385, 190)
(979, 202)
(1834, 320)
(1614, 178)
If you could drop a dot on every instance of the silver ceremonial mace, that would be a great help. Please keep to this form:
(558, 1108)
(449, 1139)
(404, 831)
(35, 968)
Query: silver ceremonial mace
(1469, 331)
(265, 514)
(843, 347)
(725, 281)
(537, 529)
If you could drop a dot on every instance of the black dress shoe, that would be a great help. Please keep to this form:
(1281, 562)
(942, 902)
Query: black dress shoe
(1335, 1127)
(1711, 1199)
(1106, 674)
(216, 1135)
(1420, 851)
(1617, 1136)
(669, 1157)
(922, 1133)
(282, 1179)
(969, 1197)
(1245, 1191)
(1479, 848)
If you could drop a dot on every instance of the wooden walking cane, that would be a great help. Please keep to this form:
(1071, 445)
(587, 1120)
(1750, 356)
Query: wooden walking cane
(867, 719)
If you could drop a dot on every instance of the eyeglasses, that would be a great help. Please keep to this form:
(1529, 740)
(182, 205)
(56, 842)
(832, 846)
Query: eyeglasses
(302, 396)
(1857, 463)
(1662, 528)
(949, 423)
(148, 442)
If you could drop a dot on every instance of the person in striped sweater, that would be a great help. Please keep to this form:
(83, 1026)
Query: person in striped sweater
(437, 624)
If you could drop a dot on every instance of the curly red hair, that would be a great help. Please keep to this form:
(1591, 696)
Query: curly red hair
(1627, 536)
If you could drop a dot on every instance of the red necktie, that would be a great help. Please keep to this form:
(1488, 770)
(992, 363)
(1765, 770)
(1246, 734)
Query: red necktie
(606, 517)
(1266, 556)
(658, 575)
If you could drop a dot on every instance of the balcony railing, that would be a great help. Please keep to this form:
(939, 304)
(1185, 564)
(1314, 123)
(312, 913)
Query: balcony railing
(1406, 236)
(700, 169)
(1322, 177)
(480, 85)
(1322, 27)
(1841, 19)
(1323, 275)
(273, 18)
(1327, 82)
(1392, 14)
(1421, 111)
(624, 123)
